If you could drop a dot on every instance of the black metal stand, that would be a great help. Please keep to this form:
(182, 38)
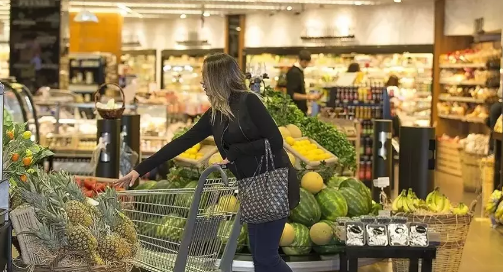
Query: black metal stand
(131, 124)
(108, 161)
(414, 254)
(417, 160)
(498, 159)
(382, 156)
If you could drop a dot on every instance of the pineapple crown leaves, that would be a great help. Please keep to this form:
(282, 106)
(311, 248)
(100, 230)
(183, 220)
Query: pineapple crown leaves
(51, 237)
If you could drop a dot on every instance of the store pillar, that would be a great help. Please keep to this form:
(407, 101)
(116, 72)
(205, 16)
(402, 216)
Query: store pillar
(382, 156)
(417, 160)
(130, 125)
(108, 160)
(235, 38)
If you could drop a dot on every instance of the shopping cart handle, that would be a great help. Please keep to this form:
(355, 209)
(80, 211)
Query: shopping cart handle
(215, 168)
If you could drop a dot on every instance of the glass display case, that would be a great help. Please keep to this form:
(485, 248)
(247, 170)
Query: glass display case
(19, 102)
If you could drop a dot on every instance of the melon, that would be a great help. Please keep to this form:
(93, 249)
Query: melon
(291, 157)
(287, 236)
(334, 245)
(215, 158)
(224, 232)
(229, 203)
(335, 181)
(301, 243)
(321, 233)
(146, 185)
(361, 188)
(294, 131)
(307, 211)
(312, 182)
(332, 204)
(284, 132)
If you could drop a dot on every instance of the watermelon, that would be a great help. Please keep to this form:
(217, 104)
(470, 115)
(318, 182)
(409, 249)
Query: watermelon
(301, 244)
(334, 246)
(147, 185)
(224, 232)
(357, 203)
(308, 211)
(171, 228)
(332, 204)
(359, 187)
(161, 184)
(335, 181)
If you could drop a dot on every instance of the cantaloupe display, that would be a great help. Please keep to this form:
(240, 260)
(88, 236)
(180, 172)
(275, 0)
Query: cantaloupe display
(294, 131)
(288, 235)
(321, 233)
(215, 158)
(312, 182)
(284, 132)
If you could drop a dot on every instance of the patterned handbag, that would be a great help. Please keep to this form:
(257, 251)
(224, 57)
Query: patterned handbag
(264, 197)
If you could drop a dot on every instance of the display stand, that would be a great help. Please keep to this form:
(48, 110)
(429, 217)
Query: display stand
(498, 159)
(382, 156)
(108, 162)
(353, 253)
(417, 160)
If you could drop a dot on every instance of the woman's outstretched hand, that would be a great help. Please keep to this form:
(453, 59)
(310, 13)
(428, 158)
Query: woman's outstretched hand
(128, 180)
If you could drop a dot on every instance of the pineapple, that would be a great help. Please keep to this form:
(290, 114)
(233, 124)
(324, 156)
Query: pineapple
(119, 223)
(81, 239)
(126, 228)
(114, 248)
(78, 213)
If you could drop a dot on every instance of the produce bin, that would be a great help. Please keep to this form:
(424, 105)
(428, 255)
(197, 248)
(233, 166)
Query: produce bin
(453, 231)
(471, 172)
(487, 169)
(448, 158)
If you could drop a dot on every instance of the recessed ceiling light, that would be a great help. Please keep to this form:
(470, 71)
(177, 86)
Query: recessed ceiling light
(358, 3)
(289, 8)
(398, 1)
(183, 16)
(206, 14)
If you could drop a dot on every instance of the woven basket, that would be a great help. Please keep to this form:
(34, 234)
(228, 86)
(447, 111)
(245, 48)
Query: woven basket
(106, 113)
(453, 231)
(470, 169)
(18, 266)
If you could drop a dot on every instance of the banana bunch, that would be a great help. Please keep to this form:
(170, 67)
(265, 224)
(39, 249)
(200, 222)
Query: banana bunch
(438, 202)
(492, 204)
(498, 214)
(406, 202)
(461, 209)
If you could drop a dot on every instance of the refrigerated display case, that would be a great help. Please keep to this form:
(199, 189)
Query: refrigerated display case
(19, 102)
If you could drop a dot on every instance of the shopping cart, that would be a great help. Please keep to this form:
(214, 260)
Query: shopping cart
(184, 229)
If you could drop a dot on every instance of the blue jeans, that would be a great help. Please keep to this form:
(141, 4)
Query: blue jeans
(264, 243)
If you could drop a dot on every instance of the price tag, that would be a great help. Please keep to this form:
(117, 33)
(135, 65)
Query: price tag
(384, 213)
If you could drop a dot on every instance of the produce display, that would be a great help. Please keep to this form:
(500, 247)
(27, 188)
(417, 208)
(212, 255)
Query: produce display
(308, 151)
(494, 207)
(435, 202)
(285, 112)
(91, 188)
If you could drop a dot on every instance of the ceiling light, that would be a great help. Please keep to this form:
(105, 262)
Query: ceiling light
(289, 8)
(183, 16)
(206, 14)
(358, 3)
(84, 16)
(398, 1)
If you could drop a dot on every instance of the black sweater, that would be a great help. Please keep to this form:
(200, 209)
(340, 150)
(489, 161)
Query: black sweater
(295, 84)
(239, 140)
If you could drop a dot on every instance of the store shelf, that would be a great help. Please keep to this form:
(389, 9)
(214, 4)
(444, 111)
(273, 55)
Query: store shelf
(463, 118)
(462, 65)
(464, 82)
(444, 97)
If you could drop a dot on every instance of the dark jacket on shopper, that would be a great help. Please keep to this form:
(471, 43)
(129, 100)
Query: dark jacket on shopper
(240, 140)
(295, 84)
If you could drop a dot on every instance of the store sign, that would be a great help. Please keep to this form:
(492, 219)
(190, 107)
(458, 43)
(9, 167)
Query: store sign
(35, 30)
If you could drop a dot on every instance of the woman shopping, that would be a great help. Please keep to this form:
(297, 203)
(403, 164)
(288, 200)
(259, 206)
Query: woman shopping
(248, 138)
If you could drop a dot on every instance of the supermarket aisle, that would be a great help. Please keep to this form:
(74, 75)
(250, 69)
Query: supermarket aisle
(484, 247)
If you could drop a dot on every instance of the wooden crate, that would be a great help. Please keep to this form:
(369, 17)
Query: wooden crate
(309, 164)
(207, 150)
(449, 158)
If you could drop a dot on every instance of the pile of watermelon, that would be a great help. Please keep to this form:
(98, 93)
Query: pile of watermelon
(312, 224)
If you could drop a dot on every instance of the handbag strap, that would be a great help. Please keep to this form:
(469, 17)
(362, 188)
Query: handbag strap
(268, 159)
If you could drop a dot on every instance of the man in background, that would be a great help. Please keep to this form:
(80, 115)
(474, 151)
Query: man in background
(295, 85)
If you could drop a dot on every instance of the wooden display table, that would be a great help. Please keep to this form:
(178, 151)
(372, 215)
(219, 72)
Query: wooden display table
(351, 254)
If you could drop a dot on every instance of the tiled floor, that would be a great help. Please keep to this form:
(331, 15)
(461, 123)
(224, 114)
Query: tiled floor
(484, 247)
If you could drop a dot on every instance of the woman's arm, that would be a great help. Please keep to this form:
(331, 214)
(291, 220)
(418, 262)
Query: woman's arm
(194, 135)
(266, 126)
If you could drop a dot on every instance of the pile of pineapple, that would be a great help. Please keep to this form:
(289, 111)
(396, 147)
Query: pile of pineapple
(92, 232)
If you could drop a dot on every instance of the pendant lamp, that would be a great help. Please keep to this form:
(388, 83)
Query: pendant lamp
(85, 16)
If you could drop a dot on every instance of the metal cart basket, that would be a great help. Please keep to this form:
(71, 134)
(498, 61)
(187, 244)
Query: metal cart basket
(186, 229)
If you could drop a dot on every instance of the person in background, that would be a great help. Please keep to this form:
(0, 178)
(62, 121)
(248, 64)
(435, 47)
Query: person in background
(391, 87)
(240, 124)
(295, 84)
(494, 114)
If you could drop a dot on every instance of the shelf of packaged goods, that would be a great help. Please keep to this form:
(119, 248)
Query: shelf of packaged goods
(463, 118)
(449, 98)
(462, 65)
(463, 82)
